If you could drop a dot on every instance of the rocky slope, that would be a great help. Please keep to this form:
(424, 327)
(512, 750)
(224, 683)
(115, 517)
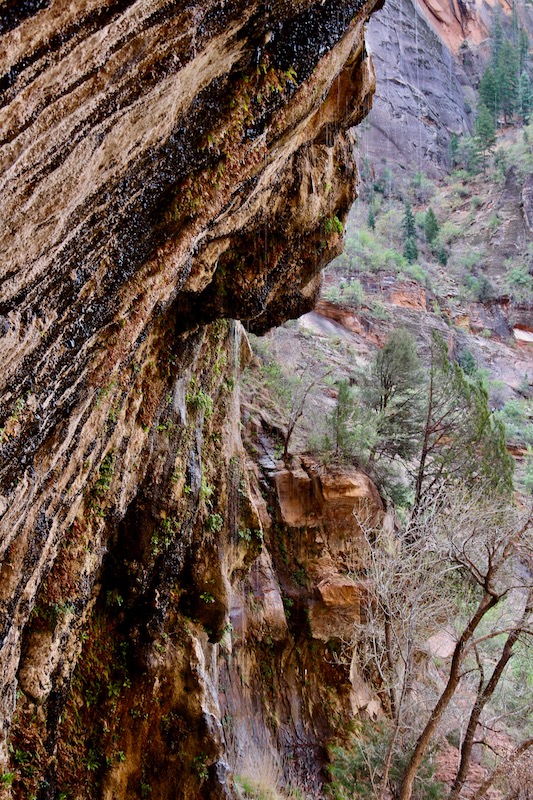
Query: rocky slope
(165, 167)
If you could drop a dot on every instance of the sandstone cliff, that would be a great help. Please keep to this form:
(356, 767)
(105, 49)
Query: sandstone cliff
(165, 167)
(429, 55)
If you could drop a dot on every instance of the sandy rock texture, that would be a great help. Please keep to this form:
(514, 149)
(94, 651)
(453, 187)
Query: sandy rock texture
(165, 167)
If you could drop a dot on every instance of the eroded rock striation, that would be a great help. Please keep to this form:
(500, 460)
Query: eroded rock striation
(165, 168)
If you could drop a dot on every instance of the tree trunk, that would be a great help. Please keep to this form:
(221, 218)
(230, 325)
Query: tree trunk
(406, 789)
(501, 768)
(482, 699)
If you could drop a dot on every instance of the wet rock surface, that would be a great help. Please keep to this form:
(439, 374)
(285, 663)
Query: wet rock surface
(164, 167)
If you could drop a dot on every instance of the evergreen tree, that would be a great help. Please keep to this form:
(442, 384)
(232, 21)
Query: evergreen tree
(524, 97)
(507, 79)
(461, 443)
(408, 224)
(431, 226)
(484, 131)
(340, 420)
(393, 392)
(523, 50)
(514, 24)
(371, 219)
(468, 154)
(452, 148)
(496, 37)
(351, 431)
(488, 92)
(410, 250)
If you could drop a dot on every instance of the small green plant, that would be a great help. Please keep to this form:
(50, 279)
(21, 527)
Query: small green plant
(206, 490)
(7, 778)
(300, 576)
(93, 761)
(200, 401)
(519, 280)
(206, 597)
(214, 523)
(201, 766)
(333, 225)
(105, 474)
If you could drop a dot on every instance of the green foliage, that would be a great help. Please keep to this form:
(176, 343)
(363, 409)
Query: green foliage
(484, 129)
(333, 225)
(350, 292)
(468, 362)
(507, 79)
(479, 287)
(214, 523)
(392, 392)
(431, 226)
(488, 92)
(462, 441)
(525, 97)
(453, 147)
(408, 224)
(350, 432)
(200, 401)
(517, 418)
(105, 474)
(519, 280)
(467, 155)
(355, 771)
(410, 250)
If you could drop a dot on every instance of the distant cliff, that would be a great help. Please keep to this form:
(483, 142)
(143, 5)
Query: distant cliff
(165, 168)
(428, 55)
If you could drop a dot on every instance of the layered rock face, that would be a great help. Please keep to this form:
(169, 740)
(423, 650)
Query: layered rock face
(164, 167)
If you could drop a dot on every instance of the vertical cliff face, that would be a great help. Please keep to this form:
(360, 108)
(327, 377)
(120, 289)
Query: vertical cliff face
(165, 167)
(420, 99)
(429, 56)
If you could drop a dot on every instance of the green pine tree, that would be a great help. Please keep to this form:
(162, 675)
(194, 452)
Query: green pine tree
(488, 92)
(507, 80)
(453, 145)
(514, 23)
(393, 391)
(410, 250)
(340, 421)
(431, 226)
(408, 224)
(496, 36)
(462, 443)
(523, 50)
(524, 97)
(468, 154)
(371, 219)
(484, 131)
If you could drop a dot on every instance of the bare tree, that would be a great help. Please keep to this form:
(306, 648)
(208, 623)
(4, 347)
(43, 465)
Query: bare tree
(297, 408)
(459, 540)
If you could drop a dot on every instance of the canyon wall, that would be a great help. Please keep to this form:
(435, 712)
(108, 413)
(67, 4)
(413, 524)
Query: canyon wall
(165, 168)
(429, 56)
(420, 97)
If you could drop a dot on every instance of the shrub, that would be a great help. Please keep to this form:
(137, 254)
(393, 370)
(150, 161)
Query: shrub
(519, 280)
